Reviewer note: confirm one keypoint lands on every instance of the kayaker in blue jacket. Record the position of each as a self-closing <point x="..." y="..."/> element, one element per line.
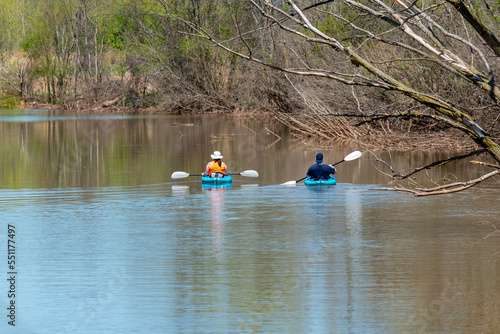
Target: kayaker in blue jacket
<point x="320" y="171"/>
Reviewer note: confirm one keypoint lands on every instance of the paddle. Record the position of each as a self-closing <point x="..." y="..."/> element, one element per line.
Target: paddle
<point x="351" y="156"/>
<point x="248" y="173"/>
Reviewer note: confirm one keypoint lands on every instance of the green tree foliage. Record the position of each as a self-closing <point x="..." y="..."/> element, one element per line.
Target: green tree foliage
<point x="11" y="24"/>
<point x="76" y="46"/>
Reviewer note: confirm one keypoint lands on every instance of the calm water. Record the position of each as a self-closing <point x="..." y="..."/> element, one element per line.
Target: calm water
<point x="106" y="242"/>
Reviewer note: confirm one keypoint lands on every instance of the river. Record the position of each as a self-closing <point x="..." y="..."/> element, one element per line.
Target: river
<point x="106" y="242"/>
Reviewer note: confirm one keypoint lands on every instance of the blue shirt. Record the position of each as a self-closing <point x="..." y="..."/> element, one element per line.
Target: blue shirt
<point x="320" y="171"/>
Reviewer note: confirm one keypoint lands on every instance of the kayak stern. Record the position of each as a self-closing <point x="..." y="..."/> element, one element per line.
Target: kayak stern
<point x="321" y="182"/>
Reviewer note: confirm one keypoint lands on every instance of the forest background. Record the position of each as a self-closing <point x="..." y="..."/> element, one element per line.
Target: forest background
<point x="125" y="53"/>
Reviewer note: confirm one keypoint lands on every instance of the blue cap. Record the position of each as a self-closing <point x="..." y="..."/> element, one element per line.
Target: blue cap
<point x="319" y="157"/>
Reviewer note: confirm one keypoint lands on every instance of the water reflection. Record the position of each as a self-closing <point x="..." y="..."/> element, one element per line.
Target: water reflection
<point x="216" y="195"/>
<point x="51" y="149"/>
<point x="353" y="222"/>
<point x="180" y="190"/>
<point x="249" y="185"/>
<point x="97" y="210"/>
<point x="216" y="188"/>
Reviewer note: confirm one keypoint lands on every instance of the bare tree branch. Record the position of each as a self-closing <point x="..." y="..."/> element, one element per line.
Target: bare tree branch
<point x="444" y="189"/>
<point x="488" y="36"/>
<point x="486" y="164"/>
<point x="443" y="162"/>
<point x="414" y="29"/>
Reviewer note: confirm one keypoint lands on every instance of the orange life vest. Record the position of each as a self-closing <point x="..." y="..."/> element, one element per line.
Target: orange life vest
<point x="216" y="168"/>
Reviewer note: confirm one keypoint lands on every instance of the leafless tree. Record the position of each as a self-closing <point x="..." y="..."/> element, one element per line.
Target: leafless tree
<point x="439" y="55"/>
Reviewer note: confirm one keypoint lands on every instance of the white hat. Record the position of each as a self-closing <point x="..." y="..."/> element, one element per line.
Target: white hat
<point x="216" y="155"/>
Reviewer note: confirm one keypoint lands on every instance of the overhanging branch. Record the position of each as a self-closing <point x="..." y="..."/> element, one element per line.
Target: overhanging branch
<point x="478" y="25"/>
<point x="445" y="189"/>
<point x="442" y="162"/>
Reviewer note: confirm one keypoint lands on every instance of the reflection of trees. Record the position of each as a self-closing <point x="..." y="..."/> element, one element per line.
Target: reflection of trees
<point x="75" y="153"/>
<point x="106" y="151"/>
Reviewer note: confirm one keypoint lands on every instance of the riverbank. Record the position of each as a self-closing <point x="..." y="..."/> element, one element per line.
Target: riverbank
<point x="117" y="106"/>
<point x="326" y="130"/>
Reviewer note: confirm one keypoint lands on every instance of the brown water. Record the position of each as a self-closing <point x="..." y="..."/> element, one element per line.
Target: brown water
<point x="108" y="242"/>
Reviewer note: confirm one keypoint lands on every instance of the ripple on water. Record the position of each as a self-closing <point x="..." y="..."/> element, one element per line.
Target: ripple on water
<point x="275" y="259"/>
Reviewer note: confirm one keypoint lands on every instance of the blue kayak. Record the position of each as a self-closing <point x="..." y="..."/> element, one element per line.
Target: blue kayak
<point x="216" y="180"/>
<point x="320" y="182"/>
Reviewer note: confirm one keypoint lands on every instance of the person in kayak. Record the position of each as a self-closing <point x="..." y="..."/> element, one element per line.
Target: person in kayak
<point x="320" y="171"/>
<point x="216" y="168"/>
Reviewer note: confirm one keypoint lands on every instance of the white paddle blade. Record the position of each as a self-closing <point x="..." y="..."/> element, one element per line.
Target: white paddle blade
<point x="353" y="156"/>
<point x="179" y="175"/>
<point x="289" y="183"/>
<point x="250" y="173"/>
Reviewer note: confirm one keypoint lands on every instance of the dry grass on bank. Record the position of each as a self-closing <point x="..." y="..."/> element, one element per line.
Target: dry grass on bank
<point x="379" y="135"/>
<point x="450" y="139"/>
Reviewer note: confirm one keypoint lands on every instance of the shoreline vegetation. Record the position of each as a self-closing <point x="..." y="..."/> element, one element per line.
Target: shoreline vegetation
<point x="325" y="129"/>
<point x="384" y="135"/>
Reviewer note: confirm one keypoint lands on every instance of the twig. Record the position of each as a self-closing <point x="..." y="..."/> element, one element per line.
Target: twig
<point x="489" y="234"/>
<point x="485" y="164"/>
<point x="246" y="127"/>
<point x="383" y="162"/>
<point x="272" y="133"/>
